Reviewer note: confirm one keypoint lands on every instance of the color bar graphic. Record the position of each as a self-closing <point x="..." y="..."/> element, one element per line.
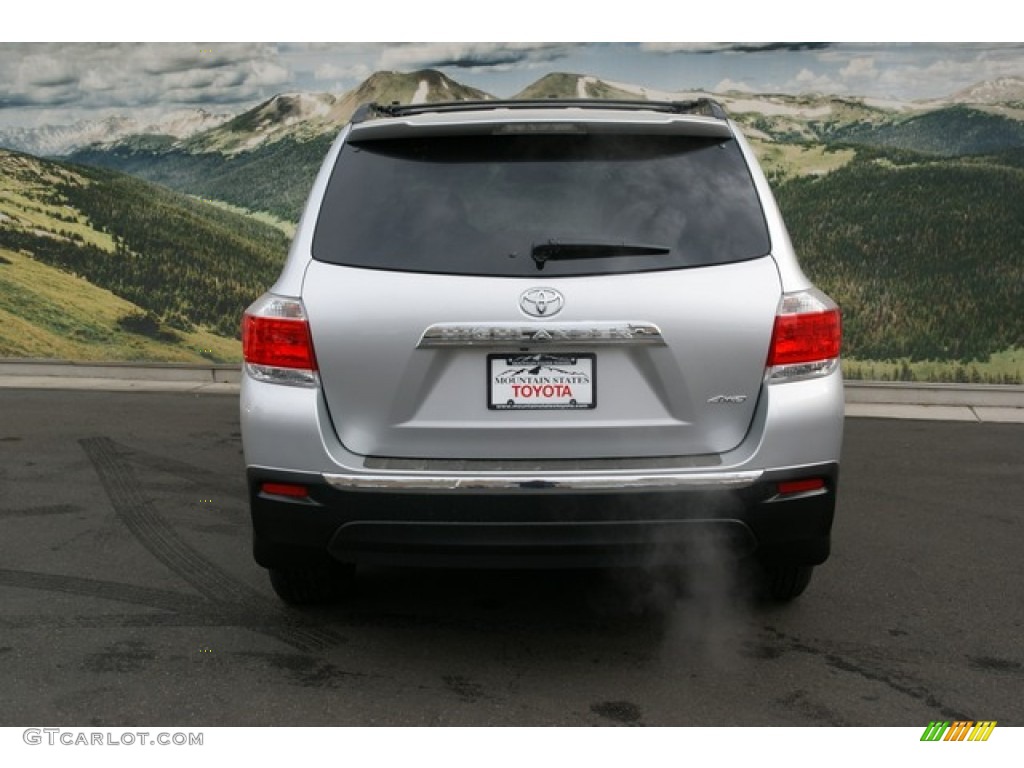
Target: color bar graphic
<point x="960" y="730"/>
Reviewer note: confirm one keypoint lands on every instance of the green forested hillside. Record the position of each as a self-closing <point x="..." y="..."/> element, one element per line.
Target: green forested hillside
<point x="1010" y="157"/>
<point x="274" y="177"/>
<point x="952" y="131"/>
<point x="186" y="265"/>
<point x="926" y="258"/>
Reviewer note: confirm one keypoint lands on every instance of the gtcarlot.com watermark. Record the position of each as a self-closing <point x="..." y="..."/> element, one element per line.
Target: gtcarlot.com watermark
<point x="71" y="738"/>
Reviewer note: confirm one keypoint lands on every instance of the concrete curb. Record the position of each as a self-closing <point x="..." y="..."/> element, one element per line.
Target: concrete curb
<point x="881" y="400"/>
<point x="937" y="402"/>
<point x="154" y="372"/>
<point x="913" y="393"/>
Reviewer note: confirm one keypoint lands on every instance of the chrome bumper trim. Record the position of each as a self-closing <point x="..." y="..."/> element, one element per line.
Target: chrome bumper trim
<point x="654" y="481"/>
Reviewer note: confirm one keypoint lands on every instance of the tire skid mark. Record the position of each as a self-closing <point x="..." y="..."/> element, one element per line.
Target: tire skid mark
<point x="108" y="590"/>
<point x="211" y="616"/>
<point x="50" y="509"/>
<point x="181" y="469"/>
<point x="162" y="541"/>
<point x="154" y="533"/>
<point x="919" y="693"/>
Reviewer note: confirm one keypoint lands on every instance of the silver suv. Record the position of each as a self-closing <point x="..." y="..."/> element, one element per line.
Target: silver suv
<point x="540" y="334"/>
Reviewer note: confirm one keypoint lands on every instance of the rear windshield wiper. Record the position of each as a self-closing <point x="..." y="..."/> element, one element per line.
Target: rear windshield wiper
<point x="554" y="250"/>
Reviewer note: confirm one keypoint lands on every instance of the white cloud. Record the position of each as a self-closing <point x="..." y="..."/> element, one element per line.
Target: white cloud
<point x="732" y="85"/>
<point x="330" y="71"/>
<point x="40" y="71"/>
<point x="470" y="55"/>
<point x="268" y="73"/>
<point x="859" y="69"/>
<point x="945" y="76"/>
<point x="806" y="81"/>
<point x="685" y="47"/>
<point x="133" y="75"/>
<point x="921" y="70"/>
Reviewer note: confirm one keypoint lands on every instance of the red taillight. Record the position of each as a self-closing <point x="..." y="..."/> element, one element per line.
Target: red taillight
<point x="805" y="338"/>
<point x="285" y="489"/>
<point x="801" y="486"/>
<point x="277" y="342"/>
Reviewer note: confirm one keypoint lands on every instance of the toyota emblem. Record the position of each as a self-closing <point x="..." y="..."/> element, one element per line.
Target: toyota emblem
<point x="541" y="302"/>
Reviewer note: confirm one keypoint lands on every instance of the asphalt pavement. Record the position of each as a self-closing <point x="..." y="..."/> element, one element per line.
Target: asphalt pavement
<point x="128" y="596"/>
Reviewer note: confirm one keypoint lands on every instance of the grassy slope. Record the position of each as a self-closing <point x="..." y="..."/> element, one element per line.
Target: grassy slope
<point x="286" y="227"/>
<point x="783" y="161"/>
<point x="49" y="314"/>
<point x="213" y="259"/>
<point x="25" y="185"/>
<point x="1005" y="367"/>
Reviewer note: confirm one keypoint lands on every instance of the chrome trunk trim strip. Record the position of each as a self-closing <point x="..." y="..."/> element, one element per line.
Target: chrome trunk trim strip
<point x="519" y="335"/>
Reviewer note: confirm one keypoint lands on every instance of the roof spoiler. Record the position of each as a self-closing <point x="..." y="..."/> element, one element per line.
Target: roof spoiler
<point x="702" y="106"/>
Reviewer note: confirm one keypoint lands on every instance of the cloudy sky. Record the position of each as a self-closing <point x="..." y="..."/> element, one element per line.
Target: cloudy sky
<point x="51" y="83"/>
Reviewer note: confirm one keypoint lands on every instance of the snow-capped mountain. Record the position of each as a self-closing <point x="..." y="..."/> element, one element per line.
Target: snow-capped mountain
<point x="800" y="107"/>
<point x="53" y="140"/>
<point x="185" y="123"/>
<point x="62" y="139"/>
<point x="998" y="91"/>
<point x="304" y="115"/>
<point x="300" y="115"/>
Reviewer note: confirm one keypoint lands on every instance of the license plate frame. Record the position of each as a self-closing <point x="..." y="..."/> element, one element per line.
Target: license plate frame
<point x="548" y="381"/>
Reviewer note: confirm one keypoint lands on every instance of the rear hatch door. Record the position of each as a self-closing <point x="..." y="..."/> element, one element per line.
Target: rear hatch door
<point x="550" y="291"/>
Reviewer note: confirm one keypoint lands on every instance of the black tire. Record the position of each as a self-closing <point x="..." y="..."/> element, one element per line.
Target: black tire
<point x="782" y="583"/>
<point x="308" y="585"/>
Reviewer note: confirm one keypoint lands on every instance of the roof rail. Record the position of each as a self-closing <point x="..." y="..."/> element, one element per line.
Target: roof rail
<point x="702" y="106"/>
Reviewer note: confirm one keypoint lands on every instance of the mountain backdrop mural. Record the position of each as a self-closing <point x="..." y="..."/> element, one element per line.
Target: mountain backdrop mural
<point x="126" y="239"/>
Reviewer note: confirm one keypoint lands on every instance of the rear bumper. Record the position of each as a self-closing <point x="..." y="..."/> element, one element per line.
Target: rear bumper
<point x="540" y="520"/>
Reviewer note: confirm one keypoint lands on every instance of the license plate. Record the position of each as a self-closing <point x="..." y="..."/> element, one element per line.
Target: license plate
<point x="559" y="381"/>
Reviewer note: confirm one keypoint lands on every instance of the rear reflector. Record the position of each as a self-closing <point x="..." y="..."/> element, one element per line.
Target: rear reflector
<point x="285" y="489"/>
<point x="801" y="486"/>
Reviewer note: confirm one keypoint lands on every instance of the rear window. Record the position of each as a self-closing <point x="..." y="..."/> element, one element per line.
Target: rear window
<point x="550" y="204"/>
